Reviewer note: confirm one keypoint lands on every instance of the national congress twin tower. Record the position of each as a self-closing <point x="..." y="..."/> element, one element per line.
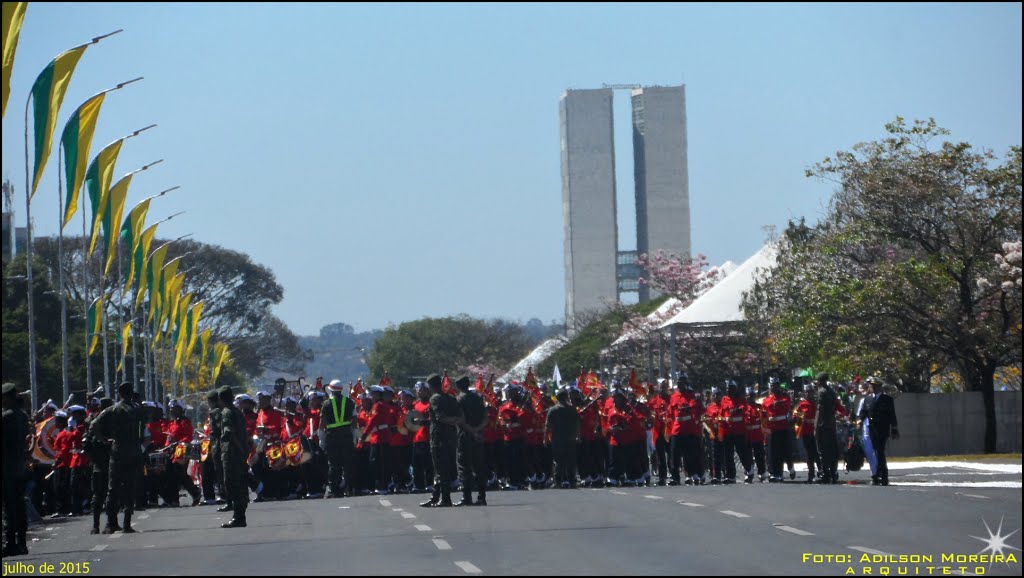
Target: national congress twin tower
<point x="596" y="272"/>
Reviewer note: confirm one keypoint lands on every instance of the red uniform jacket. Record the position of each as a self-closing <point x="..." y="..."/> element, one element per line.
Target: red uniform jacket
<point x="590" y="422"/>
<point x="272" y="420"/>
<point x="78" y="457"/>
<point x="659" y="411"/>
<point x="753" y="421"/>
<point x="684" y="410"/>
<point x="62" y="448"/>
<point x="422" y="435"/>
<point x="734" y="411"/>
<point x="777" y="409"/>
<point x="512" y="429"/>
<point x="399" y="440"/>
<point x="379" y="424"/>
<point x="180" y="430"/>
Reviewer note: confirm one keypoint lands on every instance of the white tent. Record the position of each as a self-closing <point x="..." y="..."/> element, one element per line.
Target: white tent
<point x="538" y="355"/>
<point x="723" y="302"/>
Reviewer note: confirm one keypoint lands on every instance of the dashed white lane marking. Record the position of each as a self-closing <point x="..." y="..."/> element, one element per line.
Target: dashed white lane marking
<point x="654" y="497"/>
<point x="150" y="546"/>
<point x="99" y="547"/>
<point x="143" y="516"/>
<point x="408" y="515"/>
<point x="397" y="509"/>
<point x="441" y="544"/>
<point x="869" y="550"/>
<point x="468" y="567"/>
<point x="344" y="507"/>
<point x="115" y="536"/>
<point x="691" y="504"/>
<point x="736" y="514"/>
<point x="385" y="503"/>
<point x="423" y="527"/>
<point x="979" y="496"/>
<point x="50" y="529"/>
<point x="793" y="530"/>
<point x="618" y="493"/>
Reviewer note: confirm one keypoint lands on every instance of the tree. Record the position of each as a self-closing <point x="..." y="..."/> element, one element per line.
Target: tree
<point x="897" y="274"/>
<point x="418" y="348"/>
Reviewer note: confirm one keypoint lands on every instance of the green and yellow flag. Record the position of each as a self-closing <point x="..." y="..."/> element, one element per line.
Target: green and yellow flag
<point x="77" y="142"/>
<point x="173" y="310"/>
<point x="204" y="349"/>
<point x="179" y="337"/>
<point x="220" y="355"/>
<point x="189" y="333"/>
<point x="97" y="182"/>
<point x="154" y="273"/>
<point x="112" y="217"/>
<point x="14" y="17"/>
<point x="137" y="270"/>
<point x="47" y="95"/>
<point x="94" y="323"/>
<point x="126" y="332"/>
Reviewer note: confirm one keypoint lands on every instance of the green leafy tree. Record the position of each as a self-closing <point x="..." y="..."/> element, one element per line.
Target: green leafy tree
<point x="892" y="279"/>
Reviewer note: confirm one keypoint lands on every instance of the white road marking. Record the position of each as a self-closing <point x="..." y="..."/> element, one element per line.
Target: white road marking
<point x="793" y="530"/>
<point x="869" y="550"/>
<point x="150" y="546"/>
<point x="691" y="504"/>
<point x="143" y="516"/>
<point x="423" y="527"/>
<point x="736" y="514"/>
<point x="618" y="492"/>
<point x="654" y="497"/>
<point x="408" y="515"/>
<point x="344" y="507"/>
<point x="99" y="547"/>
<point x="385" y="503"/>
<point x="115" y="536"/>
<point x="980" y="497"/>
<point x="50" y="529"/>
<point x="468" y="568"/>
<point x="441" y="544"/>
<point x="1015" y="485"/>
<point x="397" y="509"/>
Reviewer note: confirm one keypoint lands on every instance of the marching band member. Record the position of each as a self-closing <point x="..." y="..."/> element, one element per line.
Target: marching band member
<point x="685" y="411"/>
<point x="80" y="470"/>
<point x="315" y="470"/>
<point x="755" y="420"/>
<point x="733" y="411"/>
<point x="361" y="468"/>
<point x="179" y="431"/>
<point x="715" y="431"/>
<point x="514" y="437"/>
<point x="803" y="423"/>
<point x="62" y="465"/>
<point x="401" y="444"/>
<point x="377" y="434"/>
<point x="777" y="408"/>
<point x="659" y="405"/>
<point x="422" y="466"/>
<point x="592" y="450"/>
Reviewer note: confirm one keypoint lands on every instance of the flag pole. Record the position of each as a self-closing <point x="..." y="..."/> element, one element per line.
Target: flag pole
<point x="60" y="280"/>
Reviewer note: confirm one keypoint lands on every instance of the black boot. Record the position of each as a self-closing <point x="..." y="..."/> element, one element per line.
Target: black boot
<point x="481" y="500"/>
<point x="435" y="498"/>
<point x="236" y="522"/>
<point x="128" y="524"/>
<point x="467" y="500"/>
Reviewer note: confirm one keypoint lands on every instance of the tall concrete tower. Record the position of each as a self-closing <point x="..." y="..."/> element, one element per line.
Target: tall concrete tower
<point x="588" y="201"/>
<point x="660" y="171"/>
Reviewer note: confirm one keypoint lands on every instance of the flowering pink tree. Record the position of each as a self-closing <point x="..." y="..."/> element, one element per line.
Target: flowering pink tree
<point x="684" y="278"/>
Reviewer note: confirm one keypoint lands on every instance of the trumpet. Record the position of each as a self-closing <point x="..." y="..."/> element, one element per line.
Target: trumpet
<point x="798" y="421"/>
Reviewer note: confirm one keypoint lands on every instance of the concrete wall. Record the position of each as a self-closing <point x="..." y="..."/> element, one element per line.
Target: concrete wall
<point x="588" y="200"/>
<point x="954" y="423"/>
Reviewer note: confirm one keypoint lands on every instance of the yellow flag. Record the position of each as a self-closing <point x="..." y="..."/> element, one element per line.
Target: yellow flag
<point x="111" y="222"/>
<point x="125" y="334"/>
<point x="14" y="17"/>
<point x="204" y="348"/>
<point x="220" y="356"/>
<point x="47" y="95"/>
<point x="139" y="264"/>
<point x="154" y="279"/>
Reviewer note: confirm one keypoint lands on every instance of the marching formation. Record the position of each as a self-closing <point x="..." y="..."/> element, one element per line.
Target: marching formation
<point x="438" y="437"/>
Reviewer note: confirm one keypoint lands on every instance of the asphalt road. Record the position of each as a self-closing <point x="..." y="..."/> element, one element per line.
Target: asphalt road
<point x="714" y="530"/>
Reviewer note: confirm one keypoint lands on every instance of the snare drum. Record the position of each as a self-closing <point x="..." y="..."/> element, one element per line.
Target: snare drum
<point x="156" y="463"/>
<point x="276" y="458"/>
<point x="195" y="451"/>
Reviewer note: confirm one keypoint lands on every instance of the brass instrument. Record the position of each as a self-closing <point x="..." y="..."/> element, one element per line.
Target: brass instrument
<point x="798" y="421"/>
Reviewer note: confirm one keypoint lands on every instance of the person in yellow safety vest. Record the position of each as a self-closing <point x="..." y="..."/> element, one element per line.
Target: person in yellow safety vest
<point x="336" y="436"/>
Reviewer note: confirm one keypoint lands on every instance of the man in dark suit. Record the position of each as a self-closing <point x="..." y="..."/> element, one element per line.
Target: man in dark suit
<point x="880" y="410"/>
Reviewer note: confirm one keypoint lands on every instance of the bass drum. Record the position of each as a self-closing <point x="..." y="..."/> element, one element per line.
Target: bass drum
<point x="413" y="421"/>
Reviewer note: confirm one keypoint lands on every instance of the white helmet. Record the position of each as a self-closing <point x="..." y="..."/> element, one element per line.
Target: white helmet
<point x="337" y="385"/>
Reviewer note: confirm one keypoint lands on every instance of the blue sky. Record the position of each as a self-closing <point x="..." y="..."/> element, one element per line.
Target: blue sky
<point x="391" y="162"/>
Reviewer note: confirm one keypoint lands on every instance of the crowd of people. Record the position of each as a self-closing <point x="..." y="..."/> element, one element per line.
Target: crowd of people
<point x="436" y="437"/>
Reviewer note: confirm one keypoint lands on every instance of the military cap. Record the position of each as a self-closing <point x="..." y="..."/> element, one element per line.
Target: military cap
<point x="462" y="382"/>
<point x="434" y="380"/>
<point x="9" y="388"/>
